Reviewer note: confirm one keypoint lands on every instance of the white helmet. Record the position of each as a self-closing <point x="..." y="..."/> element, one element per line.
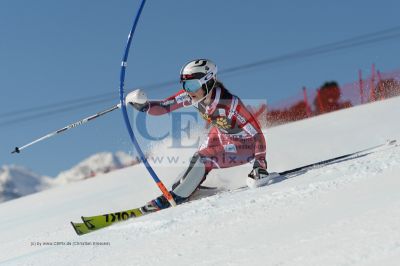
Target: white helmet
<point x="197" y="73"/>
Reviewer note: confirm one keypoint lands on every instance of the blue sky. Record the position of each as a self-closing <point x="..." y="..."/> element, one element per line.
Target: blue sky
<point x="55" y="51"/>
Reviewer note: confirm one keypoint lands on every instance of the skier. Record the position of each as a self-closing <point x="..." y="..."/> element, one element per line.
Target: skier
<point x="235" y="136"/>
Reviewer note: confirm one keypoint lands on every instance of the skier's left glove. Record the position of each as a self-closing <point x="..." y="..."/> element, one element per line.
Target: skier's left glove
<point x="138" y="99"/>
<point x="259" y="169"/>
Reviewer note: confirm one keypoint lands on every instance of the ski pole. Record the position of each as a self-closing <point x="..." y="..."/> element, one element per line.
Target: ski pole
<point x="61" y="130"/>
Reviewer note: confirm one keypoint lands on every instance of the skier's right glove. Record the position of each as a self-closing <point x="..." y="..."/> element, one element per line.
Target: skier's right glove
<point x="138" y="99"/>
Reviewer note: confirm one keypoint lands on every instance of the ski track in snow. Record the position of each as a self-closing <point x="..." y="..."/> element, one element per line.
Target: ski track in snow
<point x="346" y="213"/>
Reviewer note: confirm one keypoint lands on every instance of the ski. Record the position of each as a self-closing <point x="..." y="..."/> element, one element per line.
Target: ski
<point x="93" y="223"/>
<point x="364" y="152"/>
<point x="80" y="228"/>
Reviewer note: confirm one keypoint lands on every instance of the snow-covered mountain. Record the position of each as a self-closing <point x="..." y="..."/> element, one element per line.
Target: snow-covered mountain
<point x="17" y="181"/>
<point x="98" y="163"/>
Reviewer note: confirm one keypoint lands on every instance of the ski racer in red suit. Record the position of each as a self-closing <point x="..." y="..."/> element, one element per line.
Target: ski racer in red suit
<point x="235" y="136"/>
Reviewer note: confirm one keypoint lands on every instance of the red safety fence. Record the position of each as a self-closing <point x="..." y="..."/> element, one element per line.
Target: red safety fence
<point x="332" y="97"/>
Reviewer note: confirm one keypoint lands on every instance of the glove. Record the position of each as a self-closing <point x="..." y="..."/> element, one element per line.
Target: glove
<point x="138" y="99"/>
<point x="259" y="169"/>
<point x="258" y="173"/>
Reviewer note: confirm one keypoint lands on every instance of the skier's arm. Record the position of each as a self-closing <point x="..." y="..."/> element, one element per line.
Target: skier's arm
<point x="169" y="104"/>
<point x="250" y="124"/>
<point x="260" y="149"/>
<point x="138" y="99"/>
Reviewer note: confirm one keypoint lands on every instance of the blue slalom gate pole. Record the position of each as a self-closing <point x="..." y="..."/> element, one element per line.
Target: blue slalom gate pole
<point x="161" y="186"/>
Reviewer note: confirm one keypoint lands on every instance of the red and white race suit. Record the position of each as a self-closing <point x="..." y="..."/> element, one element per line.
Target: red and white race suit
<point x="235" y="136"/>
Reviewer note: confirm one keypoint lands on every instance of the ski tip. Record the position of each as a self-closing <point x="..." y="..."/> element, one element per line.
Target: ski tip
<point x="76" y="230"/>
<point x="391" y="142"/>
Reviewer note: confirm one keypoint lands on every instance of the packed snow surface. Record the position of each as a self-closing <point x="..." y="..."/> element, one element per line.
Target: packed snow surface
<point x="342" y="214"/>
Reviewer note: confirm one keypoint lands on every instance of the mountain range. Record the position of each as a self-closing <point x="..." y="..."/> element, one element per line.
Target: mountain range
<point x="17" y="181"/>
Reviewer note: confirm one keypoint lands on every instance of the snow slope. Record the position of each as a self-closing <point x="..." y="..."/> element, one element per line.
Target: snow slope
<point x="342" y="214"/>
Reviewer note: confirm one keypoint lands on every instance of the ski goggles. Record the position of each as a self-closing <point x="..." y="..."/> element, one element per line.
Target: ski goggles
<point x="193" y="84"/>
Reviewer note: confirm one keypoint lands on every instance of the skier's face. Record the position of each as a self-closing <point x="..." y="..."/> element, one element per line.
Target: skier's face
<point x="196" y="95"/>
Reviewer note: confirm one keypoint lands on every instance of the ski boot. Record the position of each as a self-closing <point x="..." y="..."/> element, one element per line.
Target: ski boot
<point x="160" y="203"/>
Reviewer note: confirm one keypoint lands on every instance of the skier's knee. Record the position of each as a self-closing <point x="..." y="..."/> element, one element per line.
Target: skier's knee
<point x="192" y="178"/>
